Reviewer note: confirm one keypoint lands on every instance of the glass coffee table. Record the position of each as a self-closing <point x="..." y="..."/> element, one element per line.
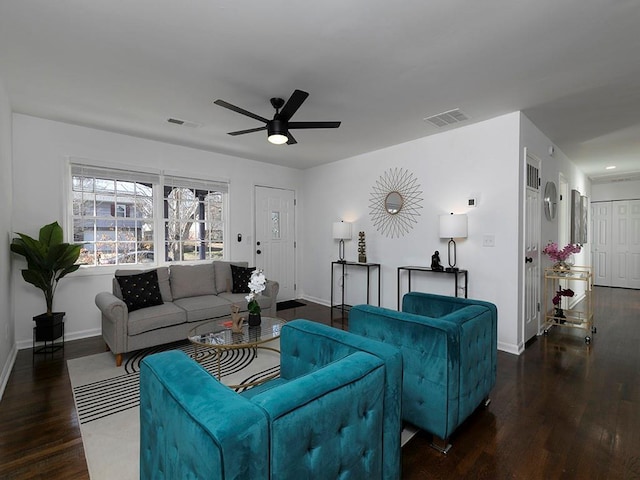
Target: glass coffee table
<point x="216" y="336"/>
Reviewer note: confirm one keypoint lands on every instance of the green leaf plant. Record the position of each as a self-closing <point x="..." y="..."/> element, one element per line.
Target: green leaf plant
<point x="48" y="259"/>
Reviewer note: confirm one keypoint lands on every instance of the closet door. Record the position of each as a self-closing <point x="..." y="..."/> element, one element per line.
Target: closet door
<point x="625" y="270"/>
<point x="601" y="242"/>
<point x="634" y="244"/>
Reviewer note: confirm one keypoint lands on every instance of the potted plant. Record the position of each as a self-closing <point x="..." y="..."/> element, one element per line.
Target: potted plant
<point x="257" y="284"/>
<point x="48" y="260"/>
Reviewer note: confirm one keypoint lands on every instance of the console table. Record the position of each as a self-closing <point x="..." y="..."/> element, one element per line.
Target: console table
<point x="344" y="265"/>
<point x="456" y="275"/>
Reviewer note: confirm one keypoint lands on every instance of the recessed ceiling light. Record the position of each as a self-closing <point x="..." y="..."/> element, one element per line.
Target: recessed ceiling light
<point x="610" y="167"/>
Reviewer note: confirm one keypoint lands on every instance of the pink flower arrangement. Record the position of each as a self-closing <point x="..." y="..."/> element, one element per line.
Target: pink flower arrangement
<point x="562" y="292"/>
<point x="561" y="255"/>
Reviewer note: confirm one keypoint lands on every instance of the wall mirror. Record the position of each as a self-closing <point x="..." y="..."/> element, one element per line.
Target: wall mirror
<point x="550" y="200"/>
<point x="393" y="203"/>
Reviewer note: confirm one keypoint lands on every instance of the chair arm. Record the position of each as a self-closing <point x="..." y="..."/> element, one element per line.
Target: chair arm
<point x="432" y="305"/>
<point x="192" y="426"/>
<point x="348" y="397"/>
<point x="307" y="346"/>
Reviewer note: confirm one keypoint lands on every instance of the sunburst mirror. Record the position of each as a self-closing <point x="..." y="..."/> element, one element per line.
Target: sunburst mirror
<point x="395" y="201"/>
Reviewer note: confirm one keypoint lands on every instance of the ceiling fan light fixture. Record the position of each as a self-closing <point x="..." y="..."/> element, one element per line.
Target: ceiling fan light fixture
<point x="277" y="132"/>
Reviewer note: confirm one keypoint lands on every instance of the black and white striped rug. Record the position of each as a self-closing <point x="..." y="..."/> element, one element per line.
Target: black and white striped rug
<point x="115" y="393"/>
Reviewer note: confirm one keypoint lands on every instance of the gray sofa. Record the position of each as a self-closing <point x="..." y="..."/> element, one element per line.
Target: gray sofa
<point x="191" y="294"/>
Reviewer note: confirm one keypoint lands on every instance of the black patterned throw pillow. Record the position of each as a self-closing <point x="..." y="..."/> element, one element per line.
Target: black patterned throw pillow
<point x="140" y="290"/>
<point x="241" y="277"/>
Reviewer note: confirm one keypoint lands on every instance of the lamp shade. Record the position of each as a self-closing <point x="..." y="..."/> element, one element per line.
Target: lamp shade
<point x="342" y="231"/>
<point x="453" y="226"/>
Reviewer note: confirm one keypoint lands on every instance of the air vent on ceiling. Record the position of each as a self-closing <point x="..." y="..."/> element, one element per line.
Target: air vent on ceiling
<point x="183" y="123"/>
<point x="447" y="118"/>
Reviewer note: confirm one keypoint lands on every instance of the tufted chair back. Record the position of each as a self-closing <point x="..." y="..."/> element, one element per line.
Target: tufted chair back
<point x="329" y="419"/>
<point x="449" y="349"/>
<point x="307" y="346"/>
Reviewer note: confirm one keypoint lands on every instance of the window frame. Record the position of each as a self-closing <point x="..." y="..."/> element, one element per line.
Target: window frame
<point x="160" y="180"/>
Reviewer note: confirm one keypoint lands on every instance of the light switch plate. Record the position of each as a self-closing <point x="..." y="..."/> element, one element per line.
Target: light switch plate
<point x="489" y="241"/>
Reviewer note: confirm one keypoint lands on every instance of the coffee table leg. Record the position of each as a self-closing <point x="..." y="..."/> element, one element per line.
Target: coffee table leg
<point x="218" y="362"/>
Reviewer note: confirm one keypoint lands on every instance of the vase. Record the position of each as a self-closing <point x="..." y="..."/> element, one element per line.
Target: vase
<point x="254" y="319"/>
<point x="562" y="266"/>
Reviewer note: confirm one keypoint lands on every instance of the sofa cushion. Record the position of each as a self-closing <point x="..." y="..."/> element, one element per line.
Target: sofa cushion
<point x="241" y="277"/>
<point x="153" y="318"/>
<point x="204" y="306"/>
<point x="140" y="290"/>
<point x="224" y="280"/>
<point x="163" y="282"/>
<point x="192" y="280"/>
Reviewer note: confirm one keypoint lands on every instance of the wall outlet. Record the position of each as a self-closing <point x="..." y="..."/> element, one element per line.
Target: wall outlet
<point x="489" y="241"/>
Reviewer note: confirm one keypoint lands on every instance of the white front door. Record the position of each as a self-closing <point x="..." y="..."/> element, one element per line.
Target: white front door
<point x="275" y="237"/>
<point x="532" y="276"/>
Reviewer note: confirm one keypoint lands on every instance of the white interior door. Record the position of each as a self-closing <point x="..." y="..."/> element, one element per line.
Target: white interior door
<point x="275" y="237"/>
<point x="532" y="277"/>
<point x="625" y="269"/>
<point x="601" y="243"/>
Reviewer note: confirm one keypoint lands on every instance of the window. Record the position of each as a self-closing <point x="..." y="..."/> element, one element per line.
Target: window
<point x="114" y="216"/>
<point x="193" y="219"/>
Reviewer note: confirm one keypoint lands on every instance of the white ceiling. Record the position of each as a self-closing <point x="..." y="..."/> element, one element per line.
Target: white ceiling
<point x="380" y="67"/>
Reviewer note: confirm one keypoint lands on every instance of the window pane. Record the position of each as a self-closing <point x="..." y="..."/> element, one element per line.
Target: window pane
<point x="105" y="212"/>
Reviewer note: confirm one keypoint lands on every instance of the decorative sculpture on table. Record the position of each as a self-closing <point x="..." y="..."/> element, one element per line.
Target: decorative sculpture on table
<point x="362" y="254"/>
<point x="435" y="262"/>
<point x="236" y="320"/>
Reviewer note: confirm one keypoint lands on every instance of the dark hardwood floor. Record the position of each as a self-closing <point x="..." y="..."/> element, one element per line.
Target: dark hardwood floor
<point x="561" y="410"/>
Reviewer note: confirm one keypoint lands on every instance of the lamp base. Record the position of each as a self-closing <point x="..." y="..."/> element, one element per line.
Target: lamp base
<point x="451" y="269"/>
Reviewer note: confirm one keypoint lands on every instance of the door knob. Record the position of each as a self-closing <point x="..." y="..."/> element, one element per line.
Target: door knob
<point x="258" y="252"/>
<point x="528" y="260"/>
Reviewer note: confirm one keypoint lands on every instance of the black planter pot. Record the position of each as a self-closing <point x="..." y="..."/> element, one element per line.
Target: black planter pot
<point x="49" y="327"/>
<point x="254" y="319"/>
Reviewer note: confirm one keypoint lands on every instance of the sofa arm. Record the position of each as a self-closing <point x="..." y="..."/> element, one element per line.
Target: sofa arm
<point x="271" y="290"/>
<point x="115" y="316"/>
<point x="348" y="395"/>
<point x="192" y="426"/>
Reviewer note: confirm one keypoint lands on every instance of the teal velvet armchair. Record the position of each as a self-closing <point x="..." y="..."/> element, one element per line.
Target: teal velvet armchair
<point x="449" y="349"/>
<point x="333" y="413"/>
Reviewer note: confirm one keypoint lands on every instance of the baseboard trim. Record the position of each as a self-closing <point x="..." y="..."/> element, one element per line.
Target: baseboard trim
<point x="510" y="348"/>
<point x="94" y="332"/>
<point x="6" y="369"/>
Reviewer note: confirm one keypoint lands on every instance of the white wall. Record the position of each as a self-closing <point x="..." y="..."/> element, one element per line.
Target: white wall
<point x="552" y="166"/>
<point x="620" y="190"/>
<point x="7" y="343"/>
<point x="40" y="150"/>
<point x="480" y="161"/>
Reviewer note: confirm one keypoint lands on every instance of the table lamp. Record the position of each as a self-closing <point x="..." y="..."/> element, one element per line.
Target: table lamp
<point x="342" y="232"/>
<point x="452" y="226"/>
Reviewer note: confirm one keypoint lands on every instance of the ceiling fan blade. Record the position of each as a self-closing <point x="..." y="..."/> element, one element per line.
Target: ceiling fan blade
<point x="242" y="111"/>
<point x="291" y="141"/>
<point x="251" y="130"/>
<point x="314" y="124"/>
<point x="293" y="104"/>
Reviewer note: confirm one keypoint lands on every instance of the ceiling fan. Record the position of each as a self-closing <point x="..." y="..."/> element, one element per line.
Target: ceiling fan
<point x="278" y="128"/>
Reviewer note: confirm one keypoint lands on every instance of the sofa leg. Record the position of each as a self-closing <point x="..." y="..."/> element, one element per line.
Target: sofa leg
<point x="440" y="444"/>
<point x="118" y="359"/>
